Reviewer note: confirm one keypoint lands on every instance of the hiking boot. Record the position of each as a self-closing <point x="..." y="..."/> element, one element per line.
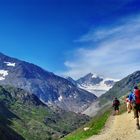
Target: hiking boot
<point x="138" y="126"/>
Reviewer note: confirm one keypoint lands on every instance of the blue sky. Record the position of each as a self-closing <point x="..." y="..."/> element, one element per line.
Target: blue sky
<point x="73" y="37"/>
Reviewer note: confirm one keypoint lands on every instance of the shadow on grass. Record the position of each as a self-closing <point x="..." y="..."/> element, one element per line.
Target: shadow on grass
<point x="6" y="133"/>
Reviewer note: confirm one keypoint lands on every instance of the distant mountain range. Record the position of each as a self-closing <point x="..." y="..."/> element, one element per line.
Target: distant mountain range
<point x="50" y="89"/>
<point x="94" y="84"/>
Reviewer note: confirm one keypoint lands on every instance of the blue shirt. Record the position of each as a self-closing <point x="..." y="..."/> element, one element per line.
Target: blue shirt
<point x="132" y="97"/>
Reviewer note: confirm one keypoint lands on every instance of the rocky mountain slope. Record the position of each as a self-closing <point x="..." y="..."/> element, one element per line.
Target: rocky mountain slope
<point x="24" y="116"/>
<point x="48" y="87"/>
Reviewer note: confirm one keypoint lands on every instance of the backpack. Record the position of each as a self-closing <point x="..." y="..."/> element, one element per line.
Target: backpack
<point x="137" y="96"/>
<point x="116" y="102"/>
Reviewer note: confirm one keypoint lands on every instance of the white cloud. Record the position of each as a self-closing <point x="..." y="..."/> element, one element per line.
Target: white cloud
<point x="115" y="54"/>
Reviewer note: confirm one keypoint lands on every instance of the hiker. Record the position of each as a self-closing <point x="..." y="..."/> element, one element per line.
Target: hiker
<point x="134" y="98"/>
<point x="128" y="104"/>
<point x="115" y="105"/>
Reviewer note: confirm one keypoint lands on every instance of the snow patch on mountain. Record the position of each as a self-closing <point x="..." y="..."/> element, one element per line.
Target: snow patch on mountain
<point x="3" y="74"/>
<point x="10" y="64"/>
<point x="75" y="96"/>
<point x="94" y="76"/>
<point x="60" y="98"/>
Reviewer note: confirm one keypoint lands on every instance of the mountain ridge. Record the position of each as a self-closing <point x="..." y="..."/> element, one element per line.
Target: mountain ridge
<point x="48" y="87"/>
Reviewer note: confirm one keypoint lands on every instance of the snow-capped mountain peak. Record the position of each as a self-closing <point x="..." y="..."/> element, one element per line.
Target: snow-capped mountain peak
<point x="96" y="84"/>
<point x="93" y="83"/>
<point x="89" y="79"/>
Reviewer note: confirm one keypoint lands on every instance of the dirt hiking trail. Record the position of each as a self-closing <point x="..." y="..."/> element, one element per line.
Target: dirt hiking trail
<point x="121" y="127"/>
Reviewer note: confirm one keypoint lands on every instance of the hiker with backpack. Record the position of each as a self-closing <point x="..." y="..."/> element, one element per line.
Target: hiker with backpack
<point x="134" y="98"/>
<point x="115" y="105"/>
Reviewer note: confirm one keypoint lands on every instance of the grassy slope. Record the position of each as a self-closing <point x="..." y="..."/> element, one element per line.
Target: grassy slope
<point x="30" y="123"/>
<point x="6" y="133"/>
<point x="95" y="126"/>
<point x="26" y="120"/>
<point x="36" y="122"/>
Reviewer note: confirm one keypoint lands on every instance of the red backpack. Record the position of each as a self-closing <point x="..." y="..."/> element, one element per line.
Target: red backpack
<point x="137" y="96"/>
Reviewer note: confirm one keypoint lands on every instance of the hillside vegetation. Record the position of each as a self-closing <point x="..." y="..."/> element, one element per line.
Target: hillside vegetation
<point x="23" y="116"/>
<point x="93" y="127"/>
